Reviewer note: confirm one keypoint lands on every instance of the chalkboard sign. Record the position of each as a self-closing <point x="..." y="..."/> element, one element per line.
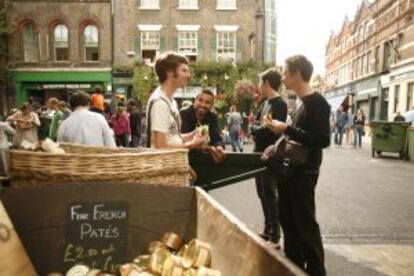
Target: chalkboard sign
<point x="96" y="235"/>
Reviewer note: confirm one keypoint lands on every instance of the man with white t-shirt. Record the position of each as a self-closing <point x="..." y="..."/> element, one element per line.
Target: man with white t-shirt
<point x="163" y="121"/>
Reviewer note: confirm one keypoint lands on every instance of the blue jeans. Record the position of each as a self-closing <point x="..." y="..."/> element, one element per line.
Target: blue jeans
<point x="358" y="130"/>
<point x="338" y="135"/>
<point x="235" y="141"/>
<point x="134" y="141"/>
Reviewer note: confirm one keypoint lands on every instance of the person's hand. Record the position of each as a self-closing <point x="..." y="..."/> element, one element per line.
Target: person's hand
<point x="217" y="153"/>
<point x="275" y="125"/>
<point x="198" y="141"/>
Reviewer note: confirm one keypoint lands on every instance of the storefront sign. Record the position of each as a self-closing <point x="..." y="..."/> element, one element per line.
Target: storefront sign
<point x="66" y="86"/>
<point x="96" y="235"/>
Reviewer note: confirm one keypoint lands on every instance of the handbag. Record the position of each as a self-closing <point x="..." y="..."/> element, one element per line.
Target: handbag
<point x="284" y="156"/>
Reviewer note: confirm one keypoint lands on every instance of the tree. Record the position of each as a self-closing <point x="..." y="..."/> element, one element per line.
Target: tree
<point x="4" y="31"/>
<point x="144" y="82"/>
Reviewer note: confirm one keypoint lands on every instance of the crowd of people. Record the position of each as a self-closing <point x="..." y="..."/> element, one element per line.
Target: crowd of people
<point x="287" y="194"/>
<point x="352" y="126"/>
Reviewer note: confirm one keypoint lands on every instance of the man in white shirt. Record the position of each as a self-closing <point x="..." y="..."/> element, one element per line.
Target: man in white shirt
<point x="83" y="126"/>
<point x="164" y="122"/>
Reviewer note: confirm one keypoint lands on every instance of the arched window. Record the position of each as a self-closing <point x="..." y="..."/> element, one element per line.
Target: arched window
<point x="61" y="42"/>
<point x="30" y="43"/>
<point x="91" y="43"/>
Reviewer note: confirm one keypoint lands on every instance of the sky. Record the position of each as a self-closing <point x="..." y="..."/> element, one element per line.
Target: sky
<point x="304" y="27"/>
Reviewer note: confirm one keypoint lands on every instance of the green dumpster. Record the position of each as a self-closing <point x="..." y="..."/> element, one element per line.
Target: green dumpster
<point x="389" y="137"/>
<point x="410" y="138"/>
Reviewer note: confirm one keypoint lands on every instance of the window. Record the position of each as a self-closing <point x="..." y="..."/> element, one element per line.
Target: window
<point x="387" y="56"/>
<point x="364" y="65"/>
<point x="396" y="97"/>
<point x="150" y="45"/>
<point x="377" y="59"/>
<point x="61" y="43"/>
<point x="188" y="4"/>
<point x="226" y="4"/>
<point x="226" y="46"/>
<point x="410" y="96"/>
<point x="150" y="4"/>
<point x="30" y="43"/>
<point x="187" y="44"/>
<point x="91" y="43"/>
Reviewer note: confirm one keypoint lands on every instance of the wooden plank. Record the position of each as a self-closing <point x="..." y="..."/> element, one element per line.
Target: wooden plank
<point x="13" y="257"/>
<point x="235" y="249"/>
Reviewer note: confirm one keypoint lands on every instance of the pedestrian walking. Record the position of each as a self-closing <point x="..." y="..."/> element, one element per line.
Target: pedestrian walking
<point x="341" y="121"/>
<point x="84" y="126"/>
<point x="57" y="118"/>
<point x="97" y="101"/>
<point x="297" y="179"/>
<point x="266" y="185"/>
<point x="235" y="122"/>
<point x="359" y="125"/>
<point x="5" y="131"/>
<point x="26" y="123"/>
<point x="399" y="118"/>
<point x="120" y="125"/>
<point x="134" y="122"/>
<point x="349" y="128"/>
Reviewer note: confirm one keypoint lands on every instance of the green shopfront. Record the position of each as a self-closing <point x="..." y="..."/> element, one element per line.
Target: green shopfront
<point x="39" y="86"/>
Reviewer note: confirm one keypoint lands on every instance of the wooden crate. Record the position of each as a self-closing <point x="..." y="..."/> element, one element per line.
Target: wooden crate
<point x="13" y="257"/>
<point x="43" y="217"/>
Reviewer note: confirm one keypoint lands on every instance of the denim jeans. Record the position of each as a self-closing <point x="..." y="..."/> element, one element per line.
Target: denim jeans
<point x="235" y="141"/>
<point x="339" y="135"/>
<point x="358" y="136"/>
<point x="134" y="141"/>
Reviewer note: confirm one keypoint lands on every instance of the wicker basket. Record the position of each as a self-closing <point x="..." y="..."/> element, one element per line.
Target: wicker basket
<point x="99" y="164"/>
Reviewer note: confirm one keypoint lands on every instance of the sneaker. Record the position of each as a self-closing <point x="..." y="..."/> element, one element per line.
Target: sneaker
<point x="275" y="245"/>
<point x="264" y="236"/>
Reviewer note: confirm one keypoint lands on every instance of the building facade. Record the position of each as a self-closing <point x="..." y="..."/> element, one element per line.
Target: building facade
<point x="370" y="62"/>
<point x="57" y="47"/>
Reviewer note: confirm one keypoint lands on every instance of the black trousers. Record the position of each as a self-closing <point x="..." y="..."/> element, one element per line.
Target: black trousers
<point x="266" y="187"/>
<point x="302" y="237"/>
<point x="121" y="140"/>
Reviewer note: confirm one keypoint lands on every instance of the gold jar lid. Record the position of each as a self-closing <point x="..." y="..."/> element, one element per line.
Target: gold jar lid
<point x="158" y="259"/>
<point x="198" y="254"/>
<point x="172" y="241"/>
<point x="94" y="272"/>
<point x="190" y="272"/>
<point x="155" y="245"/>
<point x="174" y="266"/>
<point x="183" y="251"/>
<point x="129" y="270"/>
<point x="204" y="271"/>
<point x="142" y="261"/>
<point x="78" y="270"/>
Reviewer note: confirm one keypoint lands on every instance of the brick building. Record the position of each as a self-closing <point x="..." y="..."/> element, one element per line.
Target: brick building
<point x="213" y="30"/>
<point x="370" y="61"/>
<point x="59" y="46"/>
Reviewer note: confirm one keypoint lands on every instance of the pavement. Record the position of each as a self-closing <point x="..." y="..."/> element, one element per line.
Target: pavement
<point x="365" y="208"/>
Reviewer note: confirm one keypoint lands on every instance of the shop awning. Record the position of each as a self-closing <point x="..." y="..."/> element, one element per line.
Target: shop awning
<point x="335" y="102"/>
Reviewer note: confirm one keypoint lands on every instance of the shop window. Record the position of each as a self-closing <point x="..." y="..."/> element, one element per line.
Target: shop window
<point x="30" y="43"/>
<point x="61" y="43"/>
<point x="387" y="56"/>
<point x="91" y="43"/>
<point x="226" y="46"/>
<point x="188" y="44"/>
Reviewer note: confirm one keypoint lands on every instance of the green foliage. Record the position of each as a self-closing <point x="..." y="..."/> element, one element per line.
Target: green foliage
<point x="144" y="82"/>
<point x="4" y="31"/>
